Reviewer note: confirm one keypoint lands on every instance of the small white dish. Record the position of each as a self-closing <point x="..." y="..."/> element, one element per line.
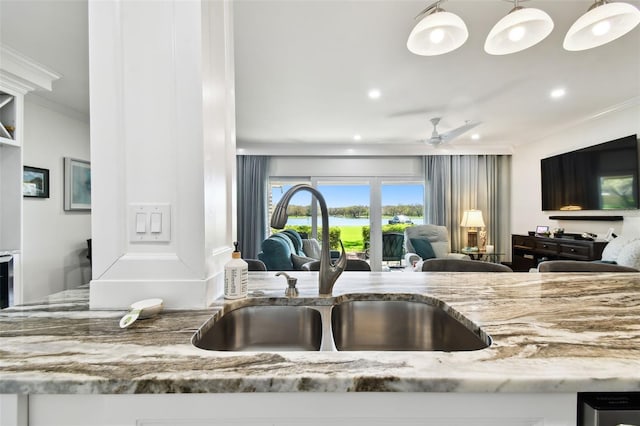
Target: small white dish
<point x="141" y="310"/>
<point x="148" y="307"/>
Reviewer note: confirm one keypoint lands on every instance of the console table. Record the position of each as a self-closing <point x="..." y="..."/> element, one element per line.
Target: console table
<point x="527" y="251"/>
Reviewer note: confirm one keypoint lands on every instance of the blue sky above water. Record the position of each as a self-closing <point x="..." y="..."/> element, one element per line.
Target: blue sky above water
<point x="356" y="195"/>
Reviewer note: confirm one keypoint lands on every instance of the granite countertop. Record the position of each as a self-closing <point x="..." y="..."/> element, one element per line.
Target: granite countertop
<point x="551" y="333"/>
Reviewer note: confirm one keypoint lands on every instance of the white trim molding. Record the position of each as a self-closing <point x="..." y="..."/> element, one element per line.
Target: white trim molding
<point x="24" y="74"/>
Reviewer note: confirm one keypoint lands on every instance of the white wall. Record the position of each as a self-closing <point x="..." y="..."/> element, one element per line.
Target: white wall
<point x="54" y="241"/>
<point x="526" y="199"/>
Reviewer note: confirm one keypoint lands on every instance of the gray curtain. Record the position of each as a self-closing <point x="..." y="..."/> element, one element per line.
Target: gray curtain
<point x="253" y="188"/>
<point x="455" y="183"/>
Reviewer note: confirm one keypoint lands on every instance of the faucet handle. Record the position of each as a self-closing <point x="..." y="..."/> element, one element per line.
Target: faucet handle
<point x="341" y="263"/>
<point x="291" y="291"/>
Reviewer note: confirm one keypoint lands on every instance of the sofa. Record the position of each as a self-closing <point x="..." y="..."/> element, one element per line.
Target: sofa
<point x="624" y="251"/>
<point x="423" y="242"/>
<point x="622" y="254"/>
<point x="288" y="251"/>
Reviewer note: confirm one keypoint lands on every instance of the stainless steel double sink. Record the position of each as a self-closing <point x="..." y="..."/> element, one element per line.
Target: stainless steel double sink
<point x="355" y="322"/>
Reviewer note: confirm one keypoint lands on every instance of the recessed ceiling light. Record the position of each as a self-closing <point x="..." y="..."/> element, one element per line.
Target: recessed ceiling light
<point x="558" y="93"/>
<point x="475" y="136"/>
<point x="374" y="93"/>
<point x="357" y="137"/>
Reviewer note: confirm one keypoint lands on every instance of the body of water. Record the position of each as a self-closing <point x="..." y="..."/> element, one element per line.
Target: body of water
<point x="345" y="221"/>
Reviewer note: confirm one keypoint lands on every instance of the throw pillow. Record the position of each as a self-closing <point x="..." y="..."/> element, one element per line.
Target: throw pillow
<point x="423" y="248"/>
<point x="295" y="239"/>
<point x="612" y="249"/>
<point x="298" y="261"/>
<point x="630" y="255"/>
<point x="276" y="254"/>
<point x="311" y="248"/>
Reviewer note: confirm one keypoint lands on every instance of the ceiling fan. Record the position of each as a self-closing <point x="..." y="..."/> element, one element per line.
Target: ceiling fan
<point x="439" y="138"/>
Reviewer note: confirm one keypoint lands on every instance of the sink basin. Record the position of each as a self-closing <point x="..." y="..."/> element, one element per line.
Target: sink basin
<point x="264" y="328"/>
<point x="356" y="322"/>
<point x="400" y="325"/>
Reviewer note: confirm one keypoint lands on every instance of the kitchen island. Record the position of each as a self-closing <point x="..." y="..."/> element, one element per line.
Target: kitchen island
<point x="553" y="335"/>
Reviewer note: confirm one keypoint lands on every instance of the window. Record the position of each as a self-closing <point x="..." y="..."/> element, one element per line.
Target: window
<point x="299" y="209"/>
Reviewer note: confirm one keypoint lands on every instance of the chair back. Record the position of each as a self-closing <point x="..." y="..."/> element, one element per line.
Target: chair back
<point x="581" y="266"/>
<point x="256" y="265"/>
<point x="352" y="265"/>
<point x="460" y="265"/>
<point x="392" y="246"/>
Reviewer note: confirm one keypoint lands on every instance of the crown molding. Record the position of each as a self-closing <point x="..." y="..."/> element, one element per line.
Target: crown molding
<point x="22" y="73"/>
<point x="629" y="103"/>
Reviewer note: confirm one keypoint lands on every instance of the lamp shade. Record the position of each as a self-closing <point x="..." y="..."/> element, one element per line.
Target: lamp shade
<point x="519" y="30"/>
<point x="437" y="33"/>
<point x="472" y="219"/>
<point x="604" y="22"/>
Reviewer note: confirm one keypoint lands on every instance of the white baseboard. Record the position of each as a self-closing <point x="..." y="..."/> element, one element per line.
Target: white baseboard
<point x="176" y="294"/>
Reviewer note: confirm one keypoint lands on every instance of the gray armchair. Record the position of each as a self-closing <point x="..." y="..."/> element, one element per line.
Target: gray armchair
<point x="438" y="237"/>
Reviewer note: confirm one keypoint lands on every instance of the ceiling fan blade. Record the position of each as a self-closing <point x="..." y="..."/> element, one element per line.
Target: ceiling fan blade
<point x="452" y="134"/>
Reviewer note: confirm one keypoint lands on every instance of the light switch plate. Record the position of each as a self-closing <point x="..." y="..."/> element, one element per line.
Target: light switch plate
<point x="157" y="222"/>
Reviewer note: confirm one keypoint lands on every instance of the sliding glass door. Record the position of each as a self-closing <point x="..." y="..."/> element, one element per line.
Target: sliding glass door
<point x="348" y="205"/>
<point x="368" y="214"/>
<point x="402" y="205"/>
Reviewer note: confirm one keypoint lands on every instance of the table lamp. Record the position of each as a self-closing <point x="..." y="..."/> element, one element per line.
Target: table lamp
<point x="472" y="219"/>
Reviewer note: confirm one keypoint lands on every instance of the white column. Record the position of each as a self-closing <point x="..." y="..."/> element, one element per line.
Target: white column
<point x="162" y="140"/>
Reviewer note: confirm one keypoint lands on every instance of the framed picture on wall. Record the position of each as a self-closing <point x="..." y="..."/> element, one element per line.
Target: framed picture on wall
<point x="77" y="184"/>
<point x="35" y="182"/>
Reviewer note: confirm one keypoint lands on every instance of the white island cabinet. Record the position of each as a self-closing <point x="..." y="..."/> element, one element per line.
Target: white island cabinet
<point x="305" y="409"/>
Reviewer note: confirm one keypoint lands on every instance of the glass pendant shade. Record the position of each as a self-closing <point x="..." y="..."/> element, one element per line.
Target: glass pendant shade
<point x="519" y="30"/>
<point x="437" y="33"/>
<point x="603" y="23"/>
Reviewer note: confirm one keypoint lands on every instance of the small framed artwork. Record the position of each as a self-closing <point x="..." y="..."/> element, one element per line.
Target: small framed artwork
<point x="35" y="182"/>
<point x="77" y="184"/>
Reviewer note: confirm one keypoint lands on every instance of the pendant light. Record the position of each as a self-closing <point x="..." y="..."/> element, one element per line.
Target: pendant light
<point x="437" y="33"/>
<point x="603" y="22"/>
<point x="519" y="30"/>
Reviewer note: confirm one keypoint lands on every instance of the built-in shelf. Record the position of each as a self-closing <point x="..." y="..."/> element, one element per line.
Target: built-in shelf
<point x="590" y="218"/>
<point x="7" y="116"/>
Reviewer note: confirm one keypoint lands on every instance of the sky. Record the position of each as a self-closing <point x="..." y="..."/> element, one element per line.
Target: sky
<point x="356" y="195"/>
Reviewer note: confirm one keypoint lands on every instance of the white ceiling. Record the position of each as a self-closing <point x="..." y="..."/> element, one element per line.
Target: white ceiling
<point x="55" y="34"/>
<point x="303" y="70"/>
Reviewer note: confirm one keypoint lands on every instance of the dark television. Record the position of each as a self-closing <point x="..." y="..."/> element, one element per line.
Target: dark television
<point x="600" y="177"/>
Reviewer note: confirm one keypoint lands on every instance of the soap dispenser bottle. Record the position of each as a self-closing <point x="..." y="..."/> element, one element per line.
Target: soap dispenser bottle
<point x="236" y="276"/>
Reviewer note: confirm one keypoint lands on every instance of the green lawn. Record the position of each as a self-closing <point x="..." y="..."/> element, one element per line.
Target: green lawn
<point x="353" y="241"/>
<point x="351" y="237"/>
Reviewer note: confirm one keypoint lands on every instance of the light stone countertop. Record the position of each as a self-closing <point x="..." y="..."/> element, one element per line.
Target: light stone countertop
<point x="551" y="333"/>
